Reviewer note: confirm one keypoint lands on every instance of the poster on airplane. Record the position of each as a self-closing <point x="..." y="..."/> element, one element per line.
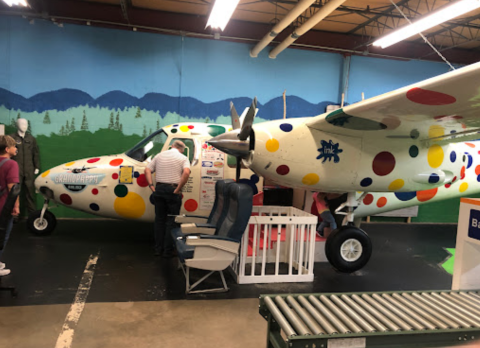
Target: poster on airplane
<point x="213" y="162"/>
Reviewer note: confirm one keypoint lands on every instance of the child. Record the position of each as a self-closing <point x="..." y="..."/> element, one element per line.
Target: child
<point x="328" y="224"/>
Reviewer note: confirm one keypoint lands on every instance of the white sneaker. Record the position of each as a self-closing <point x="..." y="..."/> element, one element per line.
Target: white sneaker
<point x="2" y="265"/>
<point x="4" y="272"/>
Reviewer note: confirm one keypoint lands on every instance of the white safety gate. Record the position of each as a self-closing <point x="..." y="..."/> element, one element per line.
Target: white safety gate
<point x="277" y="246"/>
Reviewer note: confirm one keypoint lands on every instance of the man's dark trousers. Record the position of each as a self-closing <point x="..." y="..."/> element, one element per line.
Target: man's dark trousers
<point x="166" y="203"/>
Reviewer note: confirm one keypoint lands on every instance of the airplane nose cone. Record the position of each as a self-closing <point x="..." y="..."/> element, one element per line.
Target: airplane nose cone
<point x="44" y="185"/>
<point x="230" y="144"/>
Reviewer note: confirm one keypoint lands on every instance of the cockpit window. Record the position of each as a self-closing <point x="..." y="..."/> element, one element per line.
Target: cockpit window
<point x="148" y="147"/>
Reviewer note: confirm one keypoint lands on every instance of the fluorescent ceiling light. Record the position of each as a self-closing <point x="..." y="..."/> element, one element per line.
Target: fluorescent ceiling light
<point x="457" y="9"/>
<point x="221" y="13"/>
<point x="16" y="2"/>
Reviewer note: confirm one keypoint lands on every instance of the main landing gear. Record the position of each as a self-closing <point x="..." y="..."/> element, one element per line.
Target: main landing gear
<point x="348" y="248"/>
<point x="42" y="222"/>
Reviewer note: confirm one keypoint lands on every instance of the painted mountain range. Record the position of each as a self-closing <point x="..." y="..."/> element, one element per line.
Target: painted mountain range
<point x="65" y="99"/>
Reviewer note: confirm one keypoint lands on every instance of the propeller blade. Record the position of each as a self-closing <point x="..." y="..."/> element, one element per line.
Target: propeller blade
<point x="247" y="123"/>
<point x="235" y="118"/>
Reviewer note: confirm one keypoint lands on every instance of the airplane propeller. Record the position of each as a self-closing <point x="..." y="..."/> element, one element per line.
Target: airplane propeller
<point x="235" y="142"/>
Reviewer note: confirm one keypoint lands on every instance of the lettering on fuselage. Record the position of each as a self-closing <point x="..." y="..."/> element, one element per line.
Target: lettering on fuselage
<point x="76" y="182"/>
<point x="329" y="150"/>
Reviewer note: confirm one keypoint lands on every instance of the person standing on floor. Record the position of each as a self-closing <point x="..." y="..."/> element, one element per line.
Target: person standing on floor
<point x="28" y="160"/>
<point x="8" y="178"/>
<point x="328" y="223"/>
<point x="172" y="169"/>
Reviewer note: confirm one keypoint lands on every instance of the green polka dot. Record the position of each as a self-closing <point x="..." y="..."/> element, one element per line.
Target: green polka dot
<point x="174" y="130"/>
<point x="413" y="151"/>
<point x="121" y="191"/>
<point x="215" y="130"/>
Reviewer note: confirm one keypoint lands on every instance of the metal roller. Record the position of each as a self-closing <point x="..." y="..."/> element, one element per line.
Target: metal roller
<point x="451" y="304"/>
<point x="387" y="322"/>
<point x="349" y="322"/>
<point x="313" y="326"/>
<point x="377" y="324"/>
<point x="326" y="326"/>
<point x="437" y="323"/>
<point x="325" y="311"/>
<point x="299" y="326"/>
<point x="470" y="297"/>
<point x="475" y="295"/>
<point x="354" y="315"/>
<point x="432" y="310"/>
<point x="459" y="311"/>
<point x="281" y="320"/>
<point x="387" y="313"/>
<point x="437" y="308"/>
<point x="399" y="304"/>
<point x="468" y="303"/>
<point x="461" y="316"/>
<point x="399" y="311"/>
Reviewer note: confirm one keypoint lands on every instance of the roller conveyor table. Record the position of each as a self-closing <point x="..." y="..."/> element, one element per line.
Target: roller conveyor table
<point x="359" y="320"/>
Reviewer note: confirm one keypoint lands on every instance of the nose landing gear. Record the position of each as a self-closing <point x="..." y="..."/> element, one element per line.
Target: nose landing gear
<point x="348" y="248"/>
<point x="42" y="222"/>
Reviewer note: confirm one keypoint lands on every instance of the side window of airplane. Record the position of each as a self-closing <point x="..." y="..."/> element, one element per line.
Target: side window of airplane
<point x="148" y="147"/>
<point x="189" y="148"/>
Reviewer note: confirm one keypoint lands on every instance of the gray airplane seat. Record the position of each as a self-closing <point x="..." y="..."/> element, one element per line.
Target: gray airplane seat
<point x="195" y="223"/>
<point x="216" y="252"/>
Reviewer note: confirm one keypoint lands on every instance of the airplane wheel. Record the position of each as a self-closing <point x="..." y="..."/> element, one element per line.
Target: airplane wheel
<point x="348" y="249"/>
<point x="41" y="227"/>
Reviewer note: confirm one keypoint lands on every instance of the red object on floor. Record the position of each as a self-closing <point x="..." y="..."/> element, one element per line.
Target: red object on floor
<point x="258" y="199"/>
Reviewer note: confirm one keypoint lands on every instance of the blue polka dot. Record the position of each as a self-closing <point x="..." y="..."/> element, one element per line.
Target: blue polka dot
<point x="453" y="132"/>
<point x="286" y="127"/>
<point x="453" y="156"/>
<point x="366" y="182"/>
<point x="470" y="160"/>
<point x="175" y="125"/>
<point x="405" y="196"/>
<point x="136" y="174"/>
<point x="434" y="178"/>
<point x="478" y="178"/>
<point x="94" y="207"/>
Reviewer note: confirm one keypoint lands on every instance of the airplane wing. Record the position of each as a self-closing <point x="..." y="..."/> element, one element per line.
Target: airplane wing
<point x="445" y="108"/>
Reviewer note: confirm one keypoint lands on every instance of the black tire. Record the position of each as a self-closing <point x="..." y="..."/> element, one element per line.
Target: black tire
<point x="35" y="225"/>
<point x="336" y="240"/>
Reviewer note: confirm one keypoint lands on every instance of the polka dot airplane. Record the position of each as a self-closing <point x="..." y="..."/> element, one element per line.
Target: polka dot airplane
<point x="115" y="186"/>
<point x="408" y="147"/>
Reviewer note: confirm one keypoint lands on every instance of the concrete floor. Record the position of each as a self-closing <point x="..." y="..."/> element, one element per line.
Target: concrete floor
<point x="165" y="324"/>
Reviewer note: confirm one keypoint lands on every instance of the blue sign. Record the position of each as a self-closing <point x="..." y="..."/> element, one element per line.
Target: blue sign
<point x="329" y="150"/>
<point x="474" y="224"/>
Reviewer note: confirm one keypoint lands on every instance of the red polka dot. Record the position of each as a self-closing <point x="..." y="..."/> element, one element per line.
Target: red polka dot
<point x="368" y="199"/>
<point x="115" y="176"/>
<point x="142" y="181"/>
<point x="191" y="205"/>
<point x="470" y="144"/>
<point x="454" y="179"/>
<point x="191" y="127"/>
<point x="462" y="173"/>
<point x="93" y="160"/>
<point x="426" y="195"/>
<point x="116" y="162"/>
<point x="381" y="202"/>
<point x="448" y="185"/>
<point x="425" y="97"/>
<point x="383" y="163"/>
<point x="448" y="117"/>
<point x="283" y="170"/>
<point x="95" y="191"/>
<point x="66" y="199"/>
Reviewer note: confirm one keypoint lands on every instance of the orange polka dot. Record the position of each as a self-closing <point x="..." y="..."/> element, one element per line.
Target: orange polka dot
<point x="477" y="170"/>
<point x="470" y="144"/>
<point x="381" y="202"/>
<point x="426" y="195"/>
<point x="116" y="162"/>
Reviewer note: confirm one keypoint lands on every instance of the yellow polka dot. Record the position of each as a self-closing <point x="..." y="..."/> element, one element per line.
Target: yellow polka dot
<point x="396" y="185"/>
<point x="69" y="164"/>
<point x="184" y="128"/>
<point x="230" y="129"/>
<point x="272" y="145"/>
<point x="435" y="156"/>
<point x="463" y="187"/>
<point x="45" y="173"/>
<point x="436" y="131"/>
<point x="310" y="179"/>
<point x="169" y="126"/>
<point x="131" y="206"/>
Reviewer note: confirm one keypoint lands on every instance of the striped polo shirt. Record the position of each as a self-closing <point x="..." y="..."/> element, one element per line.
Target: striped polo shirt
<point x="168" y="166"/>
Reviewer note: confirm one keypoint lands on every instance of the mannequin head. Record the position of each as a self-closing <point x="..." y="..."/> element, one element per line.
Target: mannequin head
<point x="22" y="125"/>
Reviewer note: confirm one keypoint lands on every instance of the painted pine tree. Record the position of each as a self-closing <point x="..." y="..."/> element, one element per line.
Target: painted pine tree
<point x="158" y="124"/>
<point x="67" y="128"/>
<point x="207" y="120"/>
<point x="46" y="119"/>
<point x="117" y="122"/>
<point x="29" y="129"/>
<point x="18" y="116"/>
<point x="144" y="131"/>
<point x="84" y="122"/>
<point x="139" y="112"/>
<point x="121" y="127"/>
<point x="110" y="124"/>
<point x="72" y="126"/>
<point x="62" y="131"/>
<point x="13" y="123"/>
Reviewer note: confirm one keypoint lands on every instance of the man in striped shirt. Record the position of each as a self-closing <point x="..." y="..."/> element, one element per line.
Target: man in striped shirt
<point x="172" y="169"/>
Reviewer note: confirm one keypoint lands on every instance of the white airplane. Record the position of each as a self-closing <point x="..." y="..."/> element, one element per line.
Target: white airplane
<point x="411" y="146"/>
